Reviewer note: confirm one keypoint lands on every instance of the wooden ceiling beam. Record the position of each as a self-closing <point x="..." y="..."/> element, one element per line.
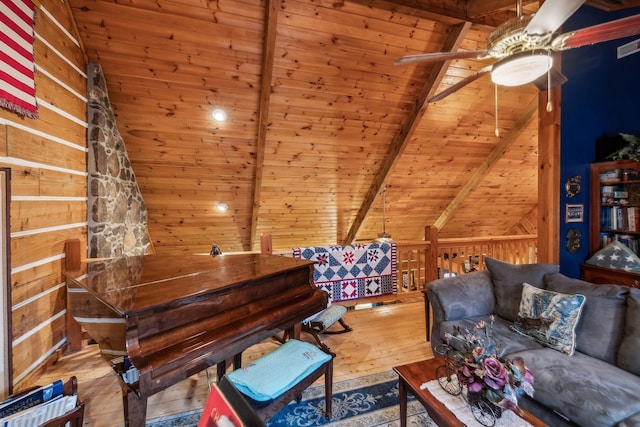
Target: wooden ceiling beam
<point x="498" y="151"/>
<point x="610" y="6"/>
<point x="271" y="23"/>
<point x="449" y="12"/>
<point x="454" y="39"/>
<point x="478" y="8"/>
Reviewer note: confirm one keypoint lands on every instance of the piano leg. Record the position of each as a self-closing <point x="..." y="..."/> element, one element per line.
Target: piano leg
<point x="221" y="368"/>
<point x="135" y="408"/>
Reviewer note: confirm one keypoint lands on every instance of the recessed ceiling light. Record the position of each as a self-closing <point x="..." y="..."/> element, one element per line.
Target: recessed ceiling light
<point x="222" y="207"/>
<point x="219" y="115"/>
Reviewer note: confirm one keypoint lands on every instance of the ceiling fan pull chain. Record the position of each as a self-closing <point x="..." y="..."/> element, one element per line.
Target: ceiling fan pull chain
<point x="549" y="106"/>
<point x="496" y="102"/>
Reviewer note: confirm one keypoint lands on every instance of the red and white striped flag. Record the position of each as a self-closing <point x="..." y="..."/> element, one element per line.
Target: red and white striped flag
<point x="17" y="67"/>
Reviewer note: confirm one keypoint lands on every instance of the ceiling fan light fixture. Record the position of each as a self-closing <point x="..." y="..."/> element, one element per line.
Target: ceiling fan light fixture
<point x="521" y="68"/>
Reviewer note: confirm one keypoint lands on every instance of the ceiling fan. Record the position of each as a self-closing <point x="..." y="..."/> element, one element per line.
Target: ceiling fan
<point x="523" y="46"/>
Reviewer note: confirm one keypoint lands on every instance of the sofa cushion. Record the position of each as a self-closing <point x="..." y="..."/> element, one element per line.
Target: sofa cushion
<point x="508" y="279"/>
<point x="629" y="350"/>
<point x="463" y="296"/>
<point x="549" y="317"/>
<point x="601" y="326"/>
<point x="506" y="340"/>
<point x="589" y="391"/>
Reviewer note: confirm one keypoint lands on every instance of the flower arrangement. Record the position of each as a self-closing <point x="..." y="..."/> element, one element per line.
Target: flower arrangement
<point x="482" y="370"/>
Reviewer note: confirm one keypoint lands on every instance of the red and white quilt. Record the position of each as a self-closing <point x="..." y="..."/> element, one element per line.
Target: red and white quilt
<point x="353" y="271"/>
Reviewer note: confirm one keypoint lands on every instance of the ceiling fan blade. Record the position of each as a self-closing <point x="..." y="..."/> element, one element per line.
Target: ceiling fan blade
<point x="556" y="77"/>
<point x="620" y="28"/>
<point x="552" y="15"/>
<point x="473" y="77"/>
<point x="439" y="56"/>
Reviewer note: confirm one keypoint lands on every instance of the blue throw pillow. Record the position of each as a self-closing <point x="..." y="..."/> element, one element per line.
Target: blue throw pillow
<point x="549" y="317"/>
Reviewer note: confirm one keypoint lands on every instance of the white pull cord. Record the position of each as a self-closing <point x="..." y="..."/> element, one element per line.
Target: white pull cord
<point x="549" y="106"/>
<point x="496" y="102"/>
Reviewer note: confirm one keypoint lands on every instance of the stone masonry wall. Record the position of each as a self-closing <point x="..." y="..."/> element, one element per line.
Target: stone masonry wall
<point x="116" y="210"/>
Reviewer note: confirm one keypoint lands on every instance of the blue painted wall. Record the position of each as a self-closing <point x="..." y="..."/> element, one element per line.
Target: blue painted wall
<point x="601" y="97"/>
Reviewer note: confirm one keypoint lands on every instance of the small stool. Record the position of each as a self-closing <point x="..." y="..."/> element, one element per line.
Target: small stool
<point x="272" y="381"/>
<point x="319" y="323"/>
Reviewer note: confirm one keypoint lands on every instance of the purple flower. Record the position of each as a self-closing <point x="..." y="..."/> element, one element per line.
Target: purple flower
<point x="496" y="374"/>
<point x="528" y="376"/>
<point x="467" y="377"/>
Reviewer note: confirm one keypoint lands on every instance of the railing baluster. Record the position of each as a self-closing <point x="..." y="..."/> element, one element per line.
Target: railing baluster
<point x="414" y="259"/>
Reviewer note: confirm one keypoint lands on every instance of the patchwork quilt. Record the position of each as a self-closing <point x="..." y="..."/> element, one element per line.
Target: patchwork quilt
<point x="353" y="271"/>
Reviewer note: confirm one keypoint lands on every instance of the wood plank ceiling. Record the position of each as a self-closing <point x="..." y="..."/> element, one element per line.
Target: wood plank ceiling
<point x="319" y="119"/>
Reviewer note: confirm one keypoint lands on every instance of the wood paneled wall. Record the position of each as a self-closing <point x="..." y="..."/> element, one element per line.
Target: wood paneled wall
<point x="47" y="157"/>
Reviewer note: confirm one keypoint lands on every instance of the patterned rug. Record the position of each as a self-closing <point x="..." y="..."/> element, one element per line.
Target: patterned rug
<point x="367" y="401"/>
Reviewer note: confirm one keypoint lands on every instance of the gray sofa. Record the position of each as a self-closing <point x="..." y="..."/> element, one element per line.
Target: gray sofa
<point x="597" y="385"/>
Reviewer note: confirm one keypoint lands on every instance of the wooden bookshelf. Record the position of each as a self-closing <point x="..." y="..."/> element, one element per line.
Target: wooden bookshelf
<point x="614" y="215"/>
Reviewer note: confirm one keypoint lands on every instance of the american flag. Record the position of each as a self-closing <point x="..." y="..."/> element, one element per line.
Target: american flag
<point x="617" y="256"/>
<point x="17" y="67"/>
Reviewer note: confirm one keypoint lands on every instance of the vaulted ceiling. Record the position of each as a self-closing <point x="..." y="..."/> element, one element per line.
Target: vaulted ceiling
<point x="320" y="121"/>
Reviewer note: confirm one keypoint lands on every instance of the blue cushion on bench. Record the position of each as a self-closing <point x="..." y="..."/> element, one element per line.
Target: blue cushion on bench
<point x="277" y="372"/>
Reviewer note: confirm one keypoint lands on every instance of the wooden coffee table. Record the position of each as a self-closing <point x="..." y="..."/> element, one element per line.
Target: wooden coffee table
<point x="411" y="376"/>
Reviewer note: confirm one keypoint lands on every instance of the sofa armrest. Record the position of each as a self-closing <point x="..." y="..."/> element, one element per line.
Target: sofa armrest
<point x="456" y="298"/>
<point x="461" y="297"/>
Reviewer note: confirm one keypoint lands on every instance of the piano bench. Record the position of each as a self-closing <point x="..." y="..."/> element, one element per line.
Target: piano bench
<point x="321" y="322"/>
<point x="272" y="381"/>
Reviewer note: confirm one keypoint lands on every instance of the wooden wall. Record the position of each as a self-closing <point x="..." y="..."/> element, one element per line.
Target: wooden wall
<point x="47" y="157"/>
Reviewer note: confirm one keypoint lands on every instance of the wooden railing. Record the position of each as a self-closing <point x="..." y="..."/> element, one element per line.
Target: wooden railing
<point x="418" y="265"/>
<point x="419" y="262"/>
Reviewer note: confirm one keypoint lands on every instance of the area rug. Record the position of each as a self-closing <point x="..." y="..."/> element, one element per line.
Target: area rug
<point x="366" y="401"/>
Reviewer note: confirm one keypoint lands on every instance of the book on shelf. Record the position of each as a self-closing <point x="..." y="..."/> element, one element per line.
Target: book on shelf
<point x="619" y="218"/>
<point x="632" y="218"/>
<point x="628" y="240"/>
<point x="31" y="398"/>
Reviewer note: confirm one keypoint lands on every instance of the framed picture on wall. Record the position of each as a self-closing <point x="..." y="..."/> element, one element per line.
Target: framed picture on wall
<point x="574" y="213"/>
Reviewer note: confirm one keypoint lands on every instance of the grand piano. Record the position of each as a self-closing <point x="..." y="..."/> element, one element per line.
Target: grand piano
<point x="160" y="319"/>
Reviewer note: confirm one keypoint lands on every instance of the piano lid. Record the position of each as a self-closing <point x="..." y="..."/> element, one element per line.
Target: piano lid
<point x="138" y="283"/>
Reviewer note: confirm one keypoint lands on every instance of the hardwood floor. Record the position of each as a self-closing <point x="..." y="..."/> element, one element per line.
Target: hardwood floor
<point x="382" y="337"/>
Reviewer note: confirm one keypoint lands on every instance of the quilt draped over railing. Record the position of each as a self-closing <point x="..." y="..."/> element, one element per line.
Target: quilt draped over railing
<point x="350" y="272"/>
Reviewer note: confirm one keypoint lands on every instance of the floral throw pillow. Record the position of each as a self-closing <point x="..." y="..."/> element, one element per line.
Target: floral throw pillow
<point x="549" y="317"/>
